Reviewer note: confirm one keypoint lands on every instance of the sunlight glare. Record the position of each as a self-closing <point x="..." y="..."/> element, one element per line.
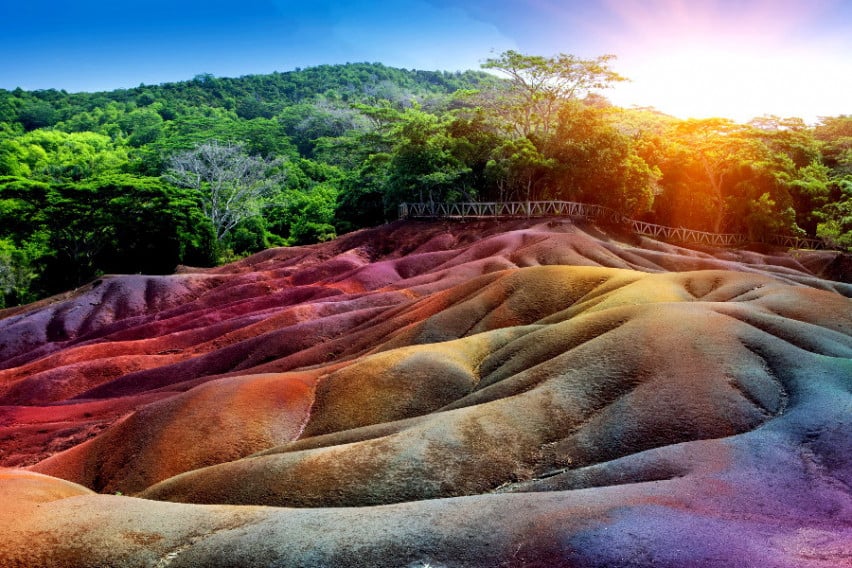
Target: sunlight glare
<point x="703" y="60"/>
<point x="701" y="82"/>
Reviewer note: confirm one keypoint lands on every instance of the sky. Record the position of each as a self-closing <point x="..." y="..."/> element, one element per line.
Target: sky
<point x="689" y="58"/>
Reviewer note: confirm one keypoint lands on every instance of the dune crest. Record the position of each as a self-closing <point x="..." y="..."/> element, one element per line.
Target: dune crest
<point x="524" y="393"/>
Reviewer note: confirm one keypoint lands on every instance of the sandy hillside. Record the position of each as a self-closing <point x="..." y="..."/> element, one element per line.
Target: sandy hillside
<point x="478" y="394"/>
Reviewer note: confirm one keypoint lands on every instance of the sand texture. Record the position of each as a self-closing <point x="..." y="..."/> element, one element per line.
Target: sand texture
<point x="445" y="394"/>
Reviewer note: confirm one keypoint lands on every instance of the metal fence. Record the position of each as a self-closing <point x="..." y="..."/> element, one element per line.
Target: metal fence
<point x="524" y="209"/>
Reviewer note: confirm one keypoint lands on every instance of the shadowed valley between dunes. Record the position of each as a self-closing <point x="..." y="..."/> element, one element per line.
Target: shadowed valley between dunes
<point x="517" y="393"/>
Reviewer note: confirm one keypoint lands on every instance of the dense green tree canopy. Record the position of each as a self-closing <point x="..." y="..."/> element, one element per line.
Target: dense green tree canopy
<point x="104" y="182"/>
<point x="234" y="187"/>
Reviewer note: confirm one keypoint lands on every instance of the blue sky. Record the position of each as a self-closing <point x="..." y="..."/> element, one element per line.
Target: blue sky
<point x="687" y="57"/>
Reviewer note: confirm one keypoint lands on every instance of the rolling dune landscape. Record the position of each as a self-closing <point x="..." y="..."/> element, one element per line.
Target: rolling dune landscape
<point x="527" y="392"/>
<point x="426" y="284"/>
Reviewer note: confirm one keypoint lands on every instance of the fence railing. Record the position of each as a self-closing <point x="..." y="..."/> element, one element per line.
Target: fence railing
<point x="521" y="209"/>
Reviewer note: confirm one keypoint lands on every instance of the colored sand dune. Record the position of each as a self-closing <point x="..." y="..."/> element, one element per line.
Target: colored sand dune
<point x="524" y="393"/>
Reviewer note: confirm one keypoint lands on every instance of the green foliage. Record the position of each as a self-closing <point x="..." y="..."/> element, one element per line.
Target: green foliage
<point x="36" y="114"/>
<point x="306" y="210"/>
<point x="516" y="168"/>
<point x="20" y="266"/>
<point x="361" y="199"/>
<point x="835" y="135"/>
<point x="596" y="162"/>
<point x="836" y="215"/>
<point x="249" y="236"/>
<point x="86" y="186"/>
<point x="142" y="126"/>
<point x="153" y="226"/>
<point x="307" y="123"/>
<point x="810" y="190"/>
<point x="425" y="165"/>
<point x="539" y="86"/>
<point x="62" y="235"/>
<point x="51" y="155"/>
<point x="310" y="215"/>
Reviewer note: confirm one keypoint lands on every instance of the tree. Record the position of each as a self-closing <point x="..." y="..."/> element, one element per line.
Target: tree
<point x="155" y="226"/>
<point x="79" y="230"/>
<point x="836" y="226"/>
<point x="24" y="243"/>
<point x="36" y="114"/>
<point x="708" y="166"/>
<point x="307" y="122"/>
<point x="361" y="201"/>
<point x="788" y="136"/>
<point x="515" y="168"/>
<point x="14" y="274"/>
<point x="835" y="133"/>
<point x="52" y="155"/>
<point x="7" y="273"/>
<point x="310" y="214"/>
<point x="233" y="185"/>
<point x="142" y="126"/>
<point x="810" y="191"/>
<point x="539" y="85"/>
<point x="424" y="165"/>
<point x="595" y="162"/>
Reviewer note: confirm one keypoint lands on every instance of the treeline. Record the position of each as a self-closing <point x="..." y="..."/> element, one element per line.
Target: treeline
<point x="199" y="172"/>
<point x="90" y="184"/>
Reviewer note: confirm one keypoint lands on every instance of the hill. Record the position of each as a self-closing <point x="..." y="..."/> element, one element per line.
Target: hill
<point x="250" y="96"/>
<point x="521" y="393"/>
<point x="130" y="181"/>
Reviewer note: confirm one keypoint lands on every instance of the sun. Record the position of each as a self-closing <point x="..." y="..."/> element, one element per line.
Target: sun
<point x="694" y="63"/>
<point x="738" y="82"/>
<point x="701" y="81"/>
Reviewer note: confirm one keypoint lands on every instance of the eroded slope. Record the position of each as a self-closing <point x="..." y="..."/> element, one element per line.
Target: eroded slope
<point x="477" y="394"/>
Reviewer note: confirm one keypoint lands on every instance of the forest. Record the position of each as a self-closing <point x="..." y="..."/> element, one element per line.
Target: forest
<point x="208" y="170"/>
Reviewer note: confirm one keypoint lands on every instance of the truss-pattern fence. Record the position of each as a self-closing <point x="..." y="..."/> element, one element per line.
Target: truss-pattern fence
<point x="522" y="209"/>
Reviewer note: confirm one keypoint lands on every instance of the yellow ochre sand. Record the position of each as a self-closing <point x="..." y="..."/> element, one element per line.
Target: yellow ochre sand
<point x="526" y="393"/>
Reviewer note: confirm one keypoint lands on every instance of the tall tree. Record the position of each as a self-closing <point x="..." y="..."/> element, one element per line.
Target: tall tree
<point x="538" y="85"/>
<point x="17" y="271"/>
<point x="700" y="171"/>
<point x="233" y="185"/>
<point x="516" y="167"/>
<point x="835" y="133"/>
<point x="424" y="165"/>
<point x="596" y="162"/>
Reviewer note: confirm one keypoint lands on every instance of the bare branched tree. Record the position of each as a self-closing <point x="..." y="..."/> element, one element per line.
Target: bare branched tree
<point x="233" y="185"/>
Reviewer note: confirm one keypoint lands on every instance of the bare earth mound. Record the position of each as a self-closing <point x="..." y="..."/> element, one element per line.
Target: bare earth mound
<point x="526" y="393"/>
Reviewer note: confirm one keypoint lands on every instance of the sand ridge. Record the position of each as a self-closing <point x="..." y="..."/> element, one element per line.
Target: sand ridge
<point x="524" y="393"/>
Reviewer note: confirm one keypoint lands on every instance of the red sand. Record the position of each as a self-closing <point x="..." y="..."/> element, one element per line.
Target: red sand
<point x="521" y="394"/>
